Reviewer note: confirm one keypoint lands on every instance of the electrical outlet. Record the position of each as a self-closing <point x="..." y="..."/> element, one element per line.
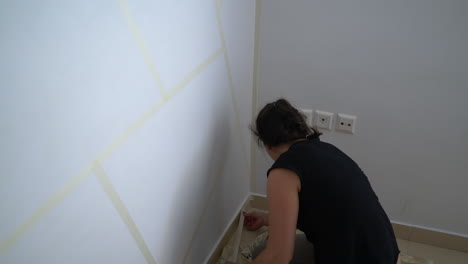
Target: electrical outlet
<point x="309" y="115"/>
<point x="323" y="119"/>
<point x="346" y="123"/>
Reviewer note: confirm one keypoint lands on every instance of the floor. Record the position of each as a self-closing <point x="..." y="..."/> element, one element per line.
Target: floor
<point x="432" y="254"/>
<point x="437" y="255"/>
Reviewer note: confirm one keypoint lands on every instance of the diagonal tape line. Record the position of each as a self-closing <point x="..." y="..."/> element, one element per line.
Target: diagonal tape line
<point x="141" y="45"/>
<point x="76" y="180"/>
<point x="210" y="198"/>
<point x="231" y="85"/>
<point x="196" y="72"/>
<point x="131" y="129"/>
<point x="137" y="124"/>
<point x="123" y="211"/>
<point x="50" y="203"/>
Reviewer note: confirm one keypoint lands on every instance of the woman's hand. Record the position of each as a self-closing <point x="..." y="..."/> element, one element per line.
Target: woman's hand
<point x="255" y="220"/>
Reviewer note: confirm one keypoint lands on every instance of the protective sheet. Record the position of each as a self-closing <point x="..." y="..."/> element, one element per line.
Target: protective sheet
<point x="253" y="241"/>
<point x="249" y="241"/>
<point x="405" y="259"/>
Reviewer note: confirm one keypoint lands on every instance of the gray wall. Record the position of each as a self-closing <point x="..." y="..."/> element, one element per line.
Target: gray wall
<point x="401" y="67"/>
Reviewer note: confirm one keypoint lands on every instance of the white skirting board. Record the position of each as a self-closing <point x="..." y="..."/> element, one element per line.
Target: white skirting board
<point x="229" y="226"/>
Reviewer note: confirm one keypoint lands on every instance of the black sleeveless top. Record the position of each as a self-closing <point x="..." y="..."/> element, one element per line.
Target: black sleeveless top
<point x="338" y="210"/>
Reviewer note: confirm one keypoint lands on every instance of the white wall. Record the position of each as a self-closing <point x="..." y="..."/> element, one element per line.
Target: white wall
<point x="78" y="85"/>
<point x="402" y="68"/>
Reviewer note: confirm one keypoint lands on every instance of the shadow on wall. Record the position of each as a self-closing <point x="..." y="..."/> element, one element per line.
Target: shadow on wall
<point x="199" y="181"/>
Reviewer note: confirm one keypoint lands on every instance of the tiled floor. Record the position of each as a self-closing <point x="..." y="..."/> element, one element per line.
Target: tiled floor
<point x="438" y="255"/>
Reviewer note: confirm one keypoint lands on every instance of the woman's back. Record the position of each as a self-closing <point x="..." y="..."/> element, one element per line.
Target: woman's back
<point x="338" y="210"/>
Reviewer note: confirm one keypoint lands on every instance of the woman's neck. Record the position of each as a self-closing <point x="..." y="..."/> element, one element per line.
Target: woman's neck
<point x="285" y="147"/>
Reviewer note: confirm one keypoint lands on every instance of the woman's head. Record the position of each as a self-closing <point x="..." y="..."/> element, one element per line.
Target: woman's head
<point x="280" y="123"/>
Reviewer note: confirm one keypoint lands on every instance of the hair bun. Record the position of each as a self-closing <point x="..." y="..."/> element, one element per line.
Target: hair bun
<point x="279" y="123"/>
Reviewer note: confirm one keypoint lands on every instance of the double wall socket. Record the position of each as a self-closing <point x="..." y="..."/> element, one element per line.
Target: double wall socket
<point x="324" y="120"/>
<point x="346" y="123"/>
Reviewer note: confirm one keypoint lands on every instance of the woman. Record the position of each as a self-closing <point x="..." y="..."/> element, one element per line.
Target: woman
<point x="316" y="188"/>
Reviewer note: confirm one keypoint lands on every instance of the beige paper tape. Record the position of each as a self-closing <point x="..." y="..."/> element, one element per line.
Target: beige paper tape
<point x="43" y="210"/>
<point x="123" y="212"/>
<point x="141" y="45"/>
<point x="238" y="234"/>
<point x="219" y="4"/>
<point x="137" y="124"/>
<point x="76" y="181"/>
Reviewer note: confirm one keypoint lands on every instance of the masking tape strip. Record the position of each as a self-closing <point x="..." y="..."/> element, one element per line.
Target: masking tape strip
<point x="219" y="4"/>
<point x="240" y="227"/>
<point x="137" y="124"/>
<point x="51" y="203"/>
<point x="74" y="182"/>
<point x="253" y="145"/>
<point x="207" y="203"/>
<point x="123" y="212"/>
<point x="141" y="45"/>
<point x="196" y="72"/>
<point x="231" y="85"/>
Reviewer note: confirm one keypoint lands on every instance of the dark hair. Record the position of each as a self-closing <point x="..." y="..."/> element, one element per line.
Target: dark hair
<point x="279" y="122"/>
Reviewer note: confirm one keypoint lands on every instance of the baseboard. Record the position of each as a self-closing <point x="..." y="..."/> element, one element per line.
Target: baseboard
<point x="438" y="238"/>
<point x="224" y="238"/>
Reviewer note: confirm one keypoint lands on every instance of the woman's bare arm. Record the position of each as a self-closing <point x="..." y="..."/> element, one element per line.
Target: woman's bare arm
<point x="283" y="188"/>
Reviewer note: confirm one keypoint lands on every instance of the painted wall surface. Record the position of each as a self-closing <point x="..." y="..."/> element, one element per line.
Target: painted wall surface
<point x="120" y="129"/>
<point x="402" y="68"/>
